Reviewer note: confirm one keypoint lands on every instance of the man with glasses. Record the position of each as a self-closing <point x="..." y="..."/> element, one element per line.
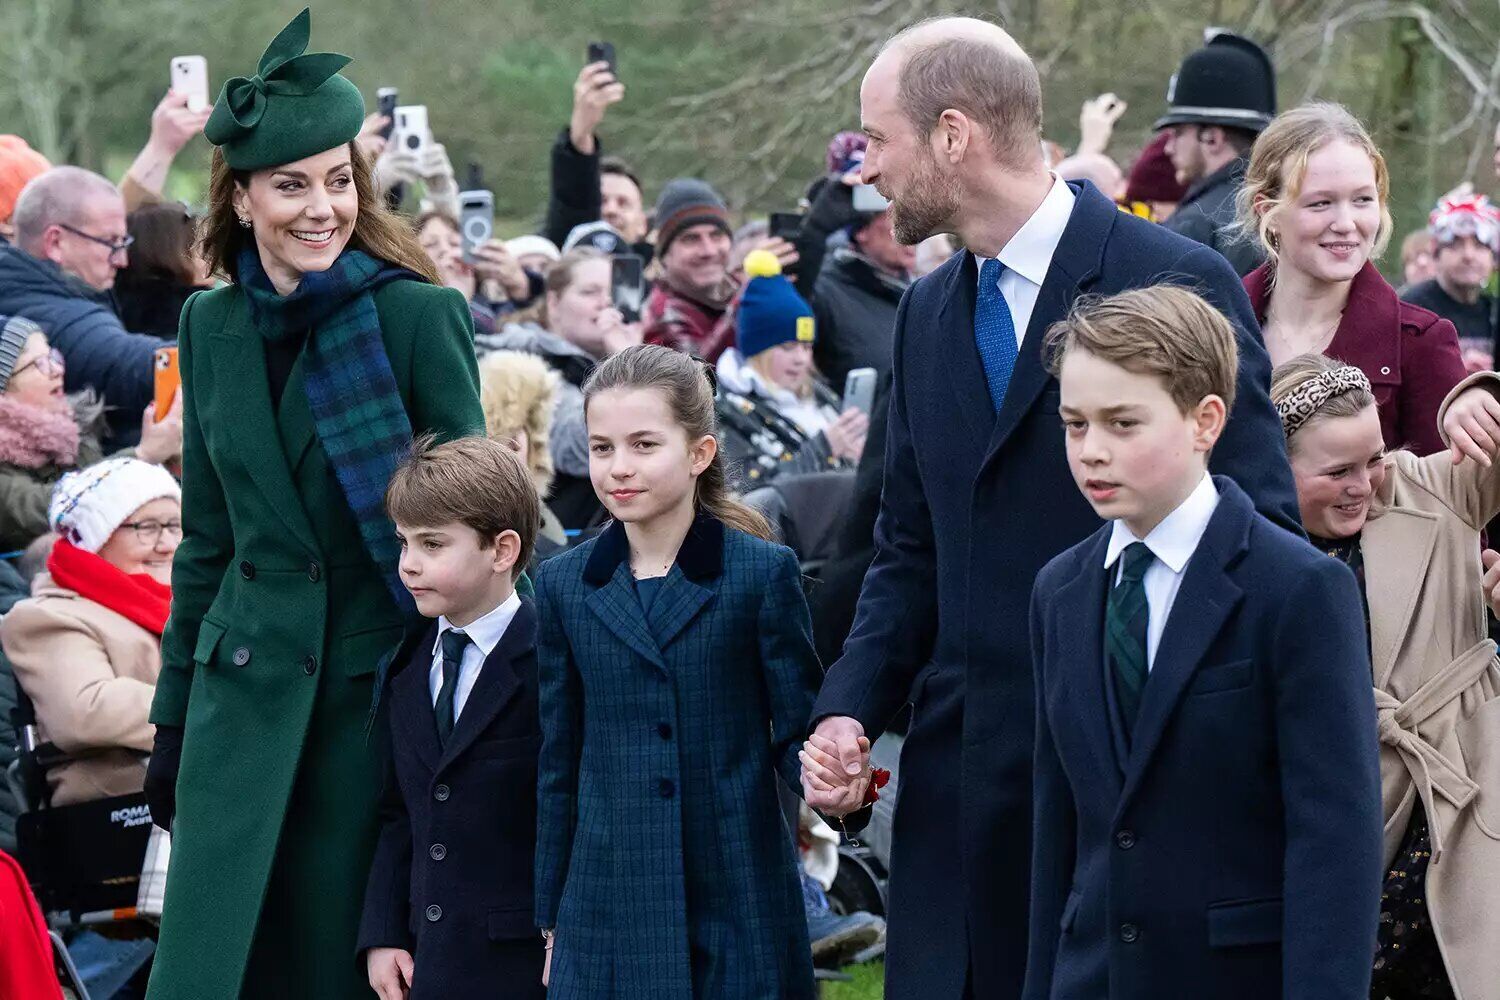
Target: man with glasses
<point x="70" y="241"/>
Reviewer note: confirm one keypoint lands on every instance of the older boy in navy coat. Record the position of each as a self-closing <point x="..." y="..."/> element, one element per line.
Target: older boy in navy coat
<point x="1206" y="787"/>
<point x="449" y="905"/>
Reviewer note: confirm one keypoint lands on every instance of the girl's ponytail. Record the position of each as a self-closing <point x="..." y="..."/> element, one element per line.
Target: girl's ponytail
<point x="688" y="386"/>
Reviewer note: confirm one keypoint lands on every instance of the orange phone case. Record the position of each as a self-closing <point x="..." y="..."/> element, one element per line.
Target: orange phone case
<point x="168" y="379"/>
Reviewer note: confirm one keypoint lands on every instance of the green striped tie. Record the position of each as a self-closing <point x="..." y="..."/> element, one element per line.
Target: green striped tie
<point x="1125" y="619"/>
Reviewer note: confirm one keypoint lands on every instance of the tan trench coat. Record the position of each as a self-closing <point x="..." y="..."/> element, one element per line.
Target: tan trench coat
<point x="91" y="673"/>
<point x="1437" y="688"/>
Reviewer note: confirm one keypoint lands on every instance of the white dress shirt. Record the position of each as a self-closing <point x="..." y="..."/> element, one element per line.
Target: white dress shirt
<point x="1173" y="543"/>
<point x="1028" y="255"/>
<point x="484" y="635"/>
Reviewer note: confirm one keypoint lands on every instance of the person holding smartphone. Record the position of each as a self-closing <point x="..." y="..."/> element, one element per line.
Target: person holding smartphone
<point x="776" y="416"/>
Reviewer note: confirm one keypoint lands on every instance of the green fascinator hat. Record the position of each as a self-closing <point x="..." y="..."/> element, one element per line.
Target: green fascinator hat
<point x="295" y="106"/>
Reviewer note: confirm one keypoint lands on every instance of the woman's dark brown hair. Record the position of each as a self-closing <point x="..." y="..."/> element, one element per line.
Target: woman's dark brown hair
<point x="378" y="231"/>
<point x="163" y="247"/>
<point x="684" y="383"/>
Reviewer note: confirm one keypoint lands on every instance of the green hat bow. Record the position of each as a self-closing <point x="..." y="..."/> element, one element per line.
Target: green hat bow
<point x="293" y="91"/>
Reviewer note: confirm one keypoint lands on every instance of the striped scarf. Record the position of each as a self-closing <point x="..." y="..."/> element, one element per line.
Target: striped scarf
<point x="356" y="406"/>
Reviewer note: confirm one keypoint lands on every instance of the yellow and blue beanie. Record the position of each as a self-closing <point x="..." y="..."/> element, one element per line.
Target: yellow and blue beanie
<point x="771" y="312"/>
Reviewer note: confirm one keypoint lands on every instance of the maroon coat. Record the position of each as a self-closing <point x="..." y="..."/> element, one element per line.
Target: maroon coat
<point x="1409" y="354"/>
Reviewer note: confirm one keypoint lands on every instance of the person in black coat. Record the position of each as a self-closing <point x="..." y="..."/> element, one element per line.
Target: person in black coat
<point x="977" y="498"/>
<point x="449" y="904"/>
<point x="1207" y="784"/>
<point x="855" y="299"/>
<point x="163" y="271"/>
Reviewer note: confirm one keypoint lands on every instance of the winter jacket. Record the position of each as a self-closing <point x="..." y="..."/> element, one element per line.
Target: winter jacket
<point x="855" y="305"/>
<point x="81" y="323"/>
<point x="575" y="196"/>
<point x="91" y="672"/>
<point x="27" y="474"/>
<point x="766" y="431"/>
<point x="1207" y="211"/>
<point x="151" y="305"/>
<point x="572" y="498"/>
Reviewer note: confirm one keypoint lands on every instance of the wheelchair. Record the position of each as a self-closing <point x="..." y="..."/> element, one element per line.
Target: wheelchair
<point x="83" y="861"/>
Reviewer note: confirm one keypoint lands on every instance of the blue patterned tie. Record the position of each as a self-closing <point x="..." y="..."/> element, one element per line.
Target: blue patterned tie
<point x="994" y="332"/>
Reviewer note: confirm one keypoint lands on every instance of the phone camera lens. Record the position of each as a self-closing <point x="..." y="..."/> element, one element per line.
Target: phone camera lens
<point x="413" y="141"/>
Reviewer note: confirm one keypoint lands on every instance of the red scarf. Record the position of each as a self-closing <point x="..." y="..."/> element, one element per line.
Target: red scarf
<point x="135" y="595"/>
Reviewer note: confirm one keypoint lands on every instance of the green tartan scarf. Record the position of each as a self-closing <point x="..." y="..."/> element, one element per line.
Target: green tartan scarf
<point x="357" y="409"/>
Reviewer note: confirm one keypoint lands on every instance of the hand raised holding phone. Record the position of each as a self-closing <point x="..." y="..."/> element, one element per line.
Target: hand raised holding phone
<point x="595" y="90"/>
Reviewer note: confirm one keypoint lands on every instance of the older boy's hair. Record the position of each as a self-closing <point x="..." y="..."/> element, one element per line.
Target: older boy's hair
<point x="473" y="480"/>
<point x="1165" y="330"/>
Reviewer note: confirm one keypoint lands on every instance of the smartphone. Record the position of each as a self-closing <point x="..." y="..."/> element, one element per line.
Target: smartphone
<point x="603" y="52"/>
<point x="385" y="103"/>
<point x="411" y="127"/>
<point x="190" y="77"/>
<point x="476" y="221"/>
<point x="168" y="379"/>
<point x="627" y="285"/>
<point x="867" y="199"/>
<point x="859" y="390"/>
<point x="786" y="226"/>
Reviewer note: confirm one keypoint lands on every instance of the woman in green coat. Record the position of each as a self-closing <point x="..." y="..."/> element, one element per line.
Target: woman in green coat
<point x="305" y="380"/>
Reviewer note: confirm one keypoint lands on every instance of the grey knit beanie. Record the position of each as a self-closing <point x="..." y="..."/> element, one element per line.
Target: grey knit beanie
<point x="14" y="332"/>
<point x="687" y="202"/>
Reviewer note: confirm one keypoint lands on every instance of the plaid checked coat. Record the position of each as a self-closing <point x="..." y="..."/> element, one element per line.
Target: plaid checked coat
<point x="278" y="621"/>
<point x="662" y="857"/>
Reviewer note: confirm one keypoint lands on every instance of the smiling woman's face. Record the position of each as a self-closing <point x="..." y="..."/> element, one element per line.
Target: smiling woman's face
<point x="302" y="213"/>
<point x="1328" y="229"/>
<point x="147" y="540"/>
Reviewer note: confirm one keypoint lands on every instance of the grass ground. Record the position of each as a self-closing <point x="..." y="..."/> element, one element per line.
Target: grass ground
<point x="868" y="983"/>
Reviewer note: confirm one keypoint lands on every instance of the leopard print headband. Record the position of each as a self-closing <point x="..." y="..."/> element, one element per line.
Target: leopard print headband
<point x="1303" y="403"/>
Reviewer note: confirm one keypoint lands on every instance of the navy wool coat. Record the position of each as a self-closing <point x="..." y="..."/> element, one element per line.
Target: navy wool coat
<point x="663" y="861"/>
<point x="1231" y="848"/>
<point x="451" y="881"/>
<point x="974" y="505"/>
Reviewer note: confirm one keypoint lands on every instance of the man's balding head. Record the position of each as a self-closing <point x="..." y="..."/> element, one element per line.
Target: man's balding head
<point x="66" y="215"/>
<point x="973" y="67"/>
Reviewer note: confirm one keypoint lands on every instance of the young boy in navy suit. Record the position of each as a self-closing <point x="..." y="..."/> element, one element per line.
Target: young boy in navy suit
<point x="1206" y="788"/>
<point x="449" y="905"/>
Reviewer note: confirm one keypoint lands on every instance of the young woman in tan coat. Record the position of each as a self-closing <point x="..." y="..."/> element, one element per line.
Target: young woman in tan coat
<point x="1409" y="528"/>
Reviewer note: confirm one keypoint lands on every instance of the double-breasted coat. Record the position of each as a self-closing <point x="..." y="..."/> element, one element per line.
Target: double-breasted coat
<point x="279" y="618"/>
<point x="974" y="503"/>
<point x="663" y="860"/>
<point x="1437" y="686"/>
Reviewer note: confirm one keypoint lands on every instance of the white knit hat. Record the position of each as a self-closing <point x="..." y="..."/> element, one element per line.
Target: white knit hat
<point x="89" y="504"/>
<point x="523" y="246"/>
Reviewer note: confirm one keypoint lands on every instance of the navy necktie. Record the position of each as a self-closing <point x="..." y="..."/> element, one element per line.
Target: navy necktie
<point x="994" y="332"/>
<point x="1125" y="620"/>
<point x="454" y="643"/>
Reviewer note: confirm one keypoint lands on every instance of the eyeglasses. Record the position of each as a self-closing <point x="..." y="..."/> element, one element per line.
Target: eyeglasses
<point x="149" y="532"/>
<point x="115" y="246"/>
<point x="49" y="364"/>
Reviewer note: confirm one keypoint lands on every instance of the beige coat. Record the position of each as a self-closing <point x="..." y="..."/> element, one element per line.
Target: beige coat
<point x="91" y="674"/>
<point x="1437" y="687"/>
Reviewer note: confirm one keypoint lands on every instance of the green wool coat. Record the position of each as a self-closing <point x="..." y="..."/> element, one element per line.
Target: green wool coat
<point x="279" y="619"/>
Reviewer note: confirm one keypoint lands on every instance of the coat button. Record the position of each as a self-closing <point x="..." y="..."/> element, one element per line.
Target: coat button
<point x="434" y="913"/>
<point x="247" y="570"/>
<point x="310" y="665"/>
<point x="666" y="788"/>
<point x="1129" y="933"/>
<point x="1385" y="371"/>
<point x="314" y="572"/>
<point x="1125" y="840"/>
<point x="441" y="793"/>
<point x="241" y="656"/>
<point x="437" y="852"/>
<point x="664" y="731"/>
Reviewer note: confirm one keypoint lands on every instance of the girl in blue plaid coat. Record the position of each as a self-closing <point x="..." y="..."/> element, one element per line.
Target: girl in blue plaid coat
<point x="676" y="676"/>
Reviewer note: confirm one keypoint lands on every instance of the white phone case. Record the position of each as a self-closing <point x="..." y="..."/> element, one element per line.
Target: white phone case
<point x="411" y="128"/>
<point x="190" y="77"/>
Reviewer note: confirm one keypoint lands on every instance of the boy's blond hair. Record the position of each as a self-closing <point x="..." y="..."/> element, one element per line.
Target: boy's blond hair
<point x="472" y="480"/>
<point x="1165" y="330"/>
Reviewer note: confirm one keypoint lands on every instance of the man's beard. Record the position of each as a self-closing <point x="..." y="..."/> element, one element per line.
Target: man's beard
<point x="926" y="208"/>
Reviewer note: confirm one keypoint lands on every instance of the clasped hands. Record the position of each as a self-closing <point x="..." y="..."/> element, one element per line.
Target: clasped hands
<point x="836" y="766"/>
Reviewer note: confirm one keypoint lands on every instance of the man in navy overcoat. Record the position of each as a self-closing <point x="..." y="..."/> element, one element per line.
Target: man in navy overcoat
<point x="977" y="496"/>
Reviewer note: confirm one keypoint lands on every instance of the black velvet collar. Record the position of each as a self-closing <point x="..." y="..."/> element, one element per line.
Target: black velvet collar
<point x="701" y="556"/>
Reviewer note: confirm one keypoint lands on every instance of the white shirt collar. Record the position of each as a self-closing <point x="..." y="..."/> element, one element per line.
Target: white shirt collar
<point x="484" y="632"/>
<point x="1176" y="538"/>
<point x="1029" y="252"/>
